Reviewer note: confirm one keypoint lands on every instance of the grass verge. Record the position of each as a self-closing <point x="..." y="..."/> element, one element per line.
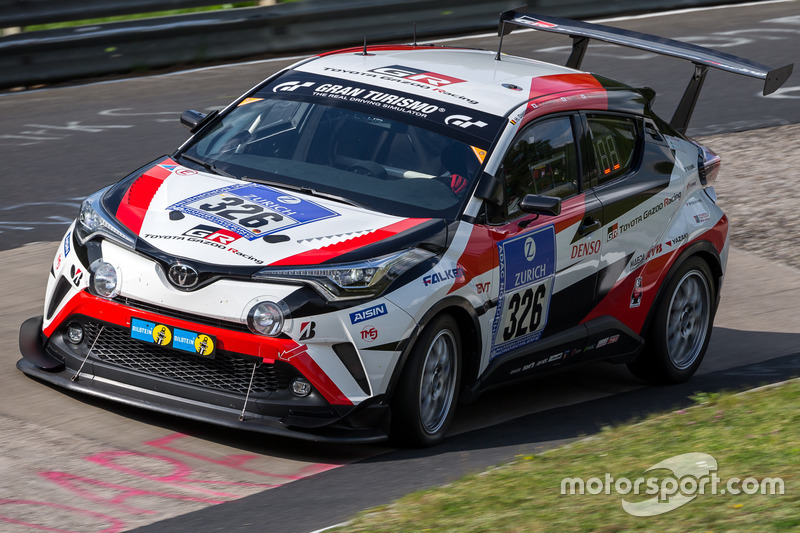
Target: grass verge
<point x="752" y="435"/>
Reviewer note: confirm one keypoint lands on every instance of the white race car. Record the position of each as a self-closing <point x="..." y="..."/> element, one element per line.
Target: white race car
<point x="371" y="235"/>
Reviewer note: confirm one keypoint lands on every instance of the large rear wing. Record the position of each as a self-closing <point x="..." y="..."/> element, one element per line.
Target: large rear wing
<point x="703" y="58"/>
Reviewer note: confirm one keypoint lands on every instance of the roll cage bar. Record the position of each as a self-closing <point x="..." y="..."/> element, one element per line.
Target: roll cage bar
<point x="703" y="58"/>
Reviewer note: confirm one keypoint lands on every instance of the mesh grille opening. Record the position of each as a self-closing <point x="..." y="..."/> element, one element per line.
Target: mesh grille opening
<point x="223" y="373"/>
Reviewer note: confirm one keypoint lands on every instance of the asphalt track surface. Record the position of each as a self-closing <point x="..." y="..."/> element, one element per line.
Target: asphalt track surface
<point x="58" y="145"/>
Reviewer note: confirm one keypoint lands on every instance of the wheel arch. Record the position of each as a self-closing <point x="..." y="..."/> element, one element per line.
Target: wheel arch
<point x="471" y="341"/>
<point x="706" y="251"/>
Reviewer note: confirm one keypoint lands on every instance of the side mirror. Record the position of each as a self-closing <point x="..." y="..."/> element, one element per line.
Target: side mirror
<point x="541" y="205"/>
<point x="194" y="119"/>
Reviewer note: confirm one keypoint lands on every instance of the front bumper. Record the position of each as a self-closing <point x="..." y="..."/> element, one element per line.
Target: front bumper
<point x="119" y="369"/>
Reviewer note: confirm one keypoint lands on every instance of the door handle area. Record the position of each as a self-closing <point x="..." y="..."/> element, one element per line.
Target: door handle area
<point x="589" y="225"/>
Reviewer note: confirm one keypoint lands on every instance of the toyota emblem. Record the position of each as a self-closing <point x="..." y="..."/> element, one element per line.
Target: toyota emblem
<point x="183" y="276"/>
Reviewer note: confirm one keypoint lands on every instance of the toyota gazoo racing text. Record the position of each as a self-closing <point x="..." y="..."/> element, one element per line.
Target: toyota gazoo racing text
<point x="373" y="235"/>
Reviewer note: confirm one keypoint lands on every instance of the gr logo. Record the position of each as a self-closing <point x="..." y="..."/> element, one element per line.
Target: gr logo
<point x="422" y="76"/>
<point x="210" y="233"/>
<point x="291" y="86"/>
<point x="463" y="121"/>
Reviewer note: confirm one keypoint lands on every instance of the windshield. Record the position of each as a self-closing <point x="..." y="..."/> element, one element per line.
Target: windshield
<point x="383" y="157"/>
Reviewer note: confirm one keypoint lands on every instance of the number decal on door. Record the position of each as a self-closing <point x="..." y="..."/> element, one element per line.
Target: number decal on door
<point x="530" y="303"/>
<point x="527" y="270"/>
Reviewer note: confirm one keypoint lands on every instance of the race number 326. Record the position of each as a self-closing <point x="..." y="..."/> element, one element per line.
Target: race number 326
<point x="524" y="312"/>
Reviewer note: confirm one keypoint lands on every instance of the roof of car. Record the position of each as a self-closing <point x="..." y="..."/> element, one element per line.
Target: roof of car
<point x="473" y="78"/>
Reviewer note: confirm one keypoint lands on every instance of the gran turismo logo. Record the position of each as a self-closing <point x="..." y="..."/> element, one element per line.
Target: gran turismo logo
<point x="464" y="121"/>
<point x="290" y="86"/>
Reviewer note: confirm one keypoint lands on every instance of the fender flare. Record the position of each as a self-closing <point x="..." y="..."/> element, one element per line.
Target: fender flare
<point x="470" y="358"/>
<point x="707" y="252"/>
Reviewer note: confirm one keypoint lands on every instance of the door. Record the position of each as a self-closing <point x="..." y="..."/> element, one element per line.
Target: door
<point x="547" y="264"/>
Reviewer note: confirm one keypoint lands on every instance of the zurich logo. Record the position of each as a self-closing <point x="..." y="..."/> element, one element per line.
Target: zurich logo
<point x="183" y="276"/>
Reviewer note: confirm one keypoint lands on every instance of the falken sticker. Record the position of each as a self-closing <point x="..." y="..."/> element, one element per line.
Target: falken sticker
<point x="527" y="270"/>
<point x="253" y="210"/>
<point x="67" y="245"/>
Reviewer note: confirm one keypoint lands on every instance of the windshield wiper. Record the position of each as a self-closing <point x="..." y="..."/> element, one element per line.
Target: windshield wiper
<point x="305" y="190"/>
<point x="211" y="167"/>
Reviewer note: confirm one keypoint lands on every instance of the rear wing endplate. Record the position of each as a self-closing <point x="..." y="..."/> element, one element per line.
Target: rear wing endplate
<point x="703" y="58"/>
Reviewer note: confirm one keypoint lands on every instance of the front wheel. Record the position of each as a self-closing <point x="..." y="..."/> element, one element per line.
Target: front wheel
<point x="681" y="327"/>
<point x="425" y="400"/>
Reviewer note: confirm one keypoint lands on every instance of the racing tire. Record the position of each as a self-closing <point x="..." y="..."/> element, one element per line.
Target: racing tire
<point x="679" y="333"/>
<point x="424" y="402"/>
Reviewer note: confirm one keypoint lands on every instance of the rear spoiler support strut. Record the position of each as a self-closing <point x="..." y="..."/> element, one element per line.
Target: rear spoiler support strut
<point x="703" y="58"/>
<point x="680" y="120"/>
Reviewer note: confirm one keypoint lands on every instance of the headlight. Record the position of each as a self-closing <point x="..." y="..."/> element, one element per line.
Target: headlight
<point x="105" y="279"/>
<point x="350" y="280"/>
<point x="265" y="318"/>
<point x="94" y="221"/>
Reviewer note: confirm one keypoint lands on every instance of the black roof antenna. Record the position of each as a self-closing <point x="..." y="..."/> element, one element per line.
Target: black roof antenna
<point x="415" y="34"/>
<point x="364" y="53"/>
<point x="500" y="46"/>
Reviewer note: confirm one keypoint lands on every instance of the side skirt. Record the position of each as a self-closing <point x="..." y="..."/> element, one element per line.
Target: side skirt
<point x="602" y="338"/>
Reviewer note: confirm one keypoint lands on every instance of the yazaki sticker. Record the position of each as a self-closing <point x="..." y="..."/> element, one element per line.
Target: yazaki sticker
<point x="527" y="270"/>
<point x="253" y="210"/>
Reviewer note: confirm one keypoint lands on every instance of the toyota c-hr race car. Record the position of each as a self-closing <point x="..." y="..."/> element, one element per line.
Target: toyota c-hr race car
<point x="372" y="235"/>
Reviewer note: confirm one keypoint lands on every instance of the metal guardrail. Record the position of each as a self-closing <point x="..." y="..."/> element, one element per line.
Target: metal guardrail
<point x="309" y="25"/>
<point x="31" y="12"/>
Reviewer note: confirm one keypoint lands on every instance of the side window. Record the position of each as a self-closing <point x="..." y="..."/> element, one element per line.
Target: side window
<point x="543" y="161"/>
<point x="613" y="141"/>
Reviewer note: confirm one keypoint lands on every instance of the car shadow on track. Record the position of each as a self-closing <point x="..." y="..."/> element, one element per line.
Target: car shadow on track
<point x="334" y="496"/>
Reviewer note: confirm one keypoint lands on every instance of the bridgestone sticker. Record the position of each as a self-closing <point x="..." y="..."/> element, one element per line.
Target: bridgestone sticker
<point x="253" y="210"/>
<point x="527" y="270"/>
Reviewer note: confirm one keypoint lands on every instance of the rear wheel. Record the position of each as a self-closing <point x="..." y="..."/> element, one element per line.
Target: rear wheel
<point x="681" y="326"/>
<point x="425" y="400"/>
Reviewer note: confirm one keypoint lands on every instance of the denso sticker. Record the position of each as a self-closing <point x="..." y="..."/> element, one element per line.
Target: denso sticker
<point x="527" y="270"/>
<point x="366" y="314"/>
<point x="253" y="210"/>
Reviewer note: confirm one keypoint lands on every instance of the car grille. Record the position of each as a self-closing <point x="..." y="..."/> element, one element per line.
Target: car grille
<point x="223" y="373"/>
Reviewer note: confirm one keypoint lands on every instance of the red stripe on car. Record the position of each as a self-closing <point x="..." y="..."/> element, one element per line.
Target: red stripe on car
<point x="267" y="348"/>
<point x="564" y="92"/>
<point x="326" y="253"/>
<point x="134" y="204"/>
